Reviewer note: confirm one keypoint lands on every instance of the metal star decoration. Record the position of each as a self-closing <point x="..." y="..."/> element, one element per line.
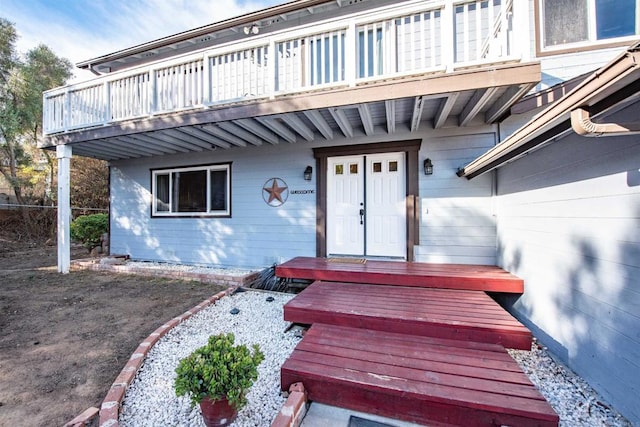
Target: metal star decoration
<point x="275" y="191"/>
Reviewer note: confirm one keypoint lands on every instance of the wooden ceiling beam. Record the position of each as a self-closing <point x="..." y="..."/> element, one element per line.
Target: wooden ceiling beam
<point x="390" y="110"/>
<point x="365" y="116"/>
<point x="281" y="130"/>
<point x="416" y="117"/>
<point x="320" y="123"/>
<point x="240" y="133"/>
<point x="153" y="136"/>
<point x="444" y="109"/>
<point x="475" y="105"/>
<point x="295" y="123"/>
<point x="343" y="122"/>
<point x="257" y="129"/>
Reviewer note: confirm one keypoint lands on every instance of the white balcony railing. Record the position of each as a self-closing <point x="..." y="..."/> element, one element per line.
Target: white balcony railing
<point x="413" y="37"/>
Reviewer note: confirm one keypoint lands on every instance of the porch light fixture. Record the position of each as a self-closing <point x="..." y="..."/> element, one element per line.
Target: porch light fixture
<point x="307" y="173"/>
<point x="428" y="167"/>
<point x="251" y="29"/>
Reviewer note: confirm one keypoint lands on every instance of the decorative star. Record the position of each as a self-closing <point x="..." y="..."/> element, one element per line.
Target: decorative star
<point x="275" y="192"/>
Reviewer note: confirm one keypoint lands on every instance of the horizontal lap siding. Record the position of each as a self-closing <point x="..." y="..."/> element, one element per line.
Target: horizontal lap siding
<point x="569" y="225"/>
<point x="457" y="223"/>
<point x="256" y="235"/>
<point x="559" y="68"/>
<point x="459" y="226"/>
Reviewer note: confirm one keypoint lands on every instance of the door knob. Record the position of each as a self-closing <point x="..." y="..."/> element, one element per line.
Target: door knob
<point x="361" y="216"/>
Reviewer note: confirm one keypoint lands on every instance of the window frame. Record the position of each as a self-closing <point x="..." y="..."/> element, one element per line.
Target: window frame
<point x="590" y="44"/>
<point x="208" y="168"/>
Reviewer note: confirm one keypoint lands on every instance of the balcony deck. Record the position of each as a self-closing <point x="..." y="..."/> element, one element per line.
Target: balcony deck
<point x="383" y="68"/>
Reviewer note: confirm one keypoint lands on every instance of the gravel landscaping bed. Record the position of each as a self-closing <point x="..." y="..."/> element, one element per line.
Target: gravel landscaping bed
<point x="151" y="401"/>
<point x="571" y="397"/>
<point x="165" y="266"/>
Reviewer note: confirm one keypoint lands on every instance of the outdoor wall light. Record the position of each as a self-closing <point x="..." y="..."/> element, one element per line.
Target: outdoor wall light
<point x="307" y="173"/>
<point x="428" y="167"/>
<point x="251" y="29"/>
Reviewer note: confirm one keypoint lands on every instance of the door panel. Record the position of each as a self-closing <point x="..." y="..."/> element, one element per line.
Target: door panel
<point x="345" y="198"/>
<point x="386" y="205"/>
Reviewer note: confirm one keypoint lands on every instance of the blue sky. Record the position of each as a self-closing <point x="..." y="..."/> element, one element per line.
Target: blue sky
<point x="83" y="29"/>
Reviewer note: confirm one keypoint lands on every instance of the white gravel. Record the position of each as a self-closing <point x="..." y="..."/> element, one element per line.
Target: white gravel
<point x="573" y="399"/>
<point x="166" y="266"/>
<point x="151" y="401"/>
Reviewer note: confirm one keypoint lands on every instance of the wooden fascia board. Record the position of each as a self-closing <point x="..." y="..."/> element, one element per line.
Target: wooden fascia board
<point x="423" y="85"/>
<point x="249" y="18"/>
<point x="596" y="91"/>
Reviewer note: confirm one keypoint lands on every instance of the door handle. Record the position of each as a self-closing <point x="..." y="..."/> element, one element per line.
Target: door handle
<point x="361" y="216"/>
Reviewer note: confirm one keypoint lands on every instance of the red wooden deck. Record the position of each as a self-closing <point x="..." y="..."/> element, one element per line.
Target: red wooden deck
<point x="444" y="313"/>
<point x="424" y="380"/>
<point x="443" y="276"/>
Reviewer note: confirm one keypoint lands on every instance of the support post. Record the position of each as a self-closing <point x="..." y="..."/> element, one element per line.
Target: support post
<point x="63" y="154"/>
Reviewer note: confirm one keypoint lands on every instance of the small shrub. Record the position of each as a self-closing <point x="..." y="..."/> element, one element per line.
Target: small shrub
<point x="88" y="229"/>
<point x="218" y="370"/>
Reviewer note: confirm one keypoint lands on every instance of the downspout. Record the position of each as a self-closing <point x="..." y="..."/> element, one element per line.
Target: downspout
<point x="582" y="125"/>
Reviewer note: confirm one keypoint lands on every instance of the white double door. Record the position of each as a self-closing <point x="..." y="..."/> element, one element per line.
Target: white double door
<point x="366" y="208"/>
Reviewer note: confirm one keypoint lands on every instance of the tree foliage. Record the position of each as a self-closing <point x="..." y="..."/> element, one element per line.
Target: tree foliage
<point x="22" y="81"/>
<point x="89" y="183"/>
<point x="30" y="171"/>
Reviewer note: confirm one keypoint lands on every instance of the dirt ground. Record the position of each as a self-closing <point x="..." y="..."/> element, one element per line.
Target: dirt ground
<point x="65" y="338"/>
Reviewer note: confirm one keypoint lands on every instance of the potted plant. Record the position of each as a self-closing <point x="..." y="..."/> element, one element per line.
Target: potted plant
<point x="218" y="376"/>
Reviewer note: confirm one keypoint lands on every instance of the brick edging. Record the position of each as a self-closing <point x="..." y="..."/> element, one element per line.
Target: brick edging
<point x="110" y="408"/>
<point x="294" y="409"/>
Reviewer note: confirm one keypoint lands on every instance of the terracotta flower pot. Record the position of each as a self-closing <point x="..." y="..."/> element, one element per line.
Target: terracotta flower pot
<point x="217" y="413"/>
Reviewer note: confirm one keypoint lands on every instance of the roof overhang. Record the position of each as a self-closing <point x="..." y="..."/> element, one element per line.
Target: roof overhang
<point x="609" y="89"/>
<point x="204" y="31"/>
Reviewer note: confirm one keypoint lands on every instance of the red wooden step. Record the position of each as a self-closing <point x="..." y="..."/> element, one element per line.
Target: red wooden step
<point x="444" y="276"/>
<point x="424" y="380"/>
<point x="444" y="313"/>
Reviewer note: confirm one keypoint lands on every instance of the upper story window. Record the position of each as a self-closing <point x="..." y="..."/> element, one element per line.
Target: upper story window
<point x="193" y="191"/>
<point x="573" y="23"/>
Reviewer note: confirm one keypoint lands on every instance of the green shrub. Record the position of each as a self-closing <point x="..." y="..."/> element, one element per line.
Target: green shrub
<point x="218" y="370"/>
<point x="88" y="229"/>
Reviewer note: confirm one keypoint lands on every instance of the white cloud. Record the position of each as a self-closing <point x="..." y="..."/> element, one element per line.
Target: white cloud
<point x="79" y="30"/>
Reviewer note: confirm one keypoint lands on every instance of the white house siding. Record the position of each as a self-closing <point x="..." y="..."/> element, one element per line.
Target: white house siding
<point x="569" y="225"/>
<point x="456" y="216"/>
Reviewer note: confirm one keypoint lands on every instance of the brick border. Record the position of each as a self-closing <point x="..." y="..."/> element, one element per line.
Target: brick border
<point x="294" y="409"/>
<point x="110" y="408"/>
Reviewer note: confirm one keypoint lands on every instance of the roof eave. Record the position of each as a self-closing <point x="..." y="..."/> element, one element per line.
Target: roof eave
<point x="555" y="119"/>
<point x="248" y="18"/>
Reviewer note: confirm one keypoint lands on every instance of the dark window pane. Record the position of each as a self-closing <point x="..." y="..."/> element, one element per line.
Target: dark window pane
<point x="565" y="21"/>
<point x="615" y="18"/>
<point x="190" y="190"/>
<point x="219" y="190"/>
<point x="162" y="193"/>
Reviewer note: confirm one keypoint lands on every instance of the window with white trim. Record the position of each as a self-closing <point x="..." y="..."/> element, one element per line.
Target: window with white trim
<point x="192" y="191"/>
<point x="573" y="23"/>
